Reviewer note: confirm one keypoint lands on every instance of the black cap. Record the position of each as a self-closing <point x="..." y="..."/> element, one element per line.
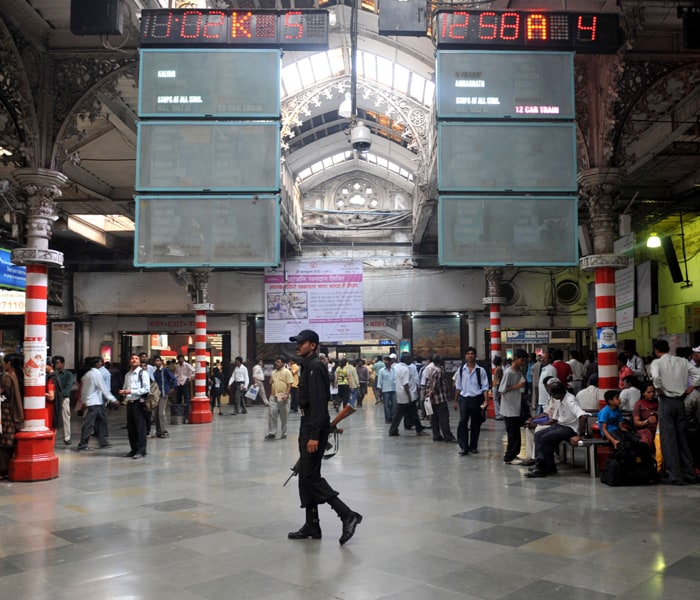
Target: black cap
<point x="305" y="335"/>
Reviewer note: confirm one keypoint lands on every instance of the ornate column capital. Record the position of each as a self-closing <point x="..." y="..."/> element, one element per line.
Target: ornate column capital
<point x="597" y="261"/>
<point x="599" y="188"/>
<point x="494" y="278"/>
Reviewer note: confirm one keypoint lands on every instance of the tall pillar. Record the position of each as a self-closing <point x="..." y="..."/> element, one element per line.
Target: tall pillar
<point x="34" y="458"/>
<point x="200" y="410"/>
<point x="494" y="276"/>
<point x="599" y="188"/>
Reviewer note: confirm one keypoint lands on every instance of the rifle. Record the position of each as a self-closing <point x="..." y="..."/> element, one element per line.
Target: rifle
<point x="336" y="431"/>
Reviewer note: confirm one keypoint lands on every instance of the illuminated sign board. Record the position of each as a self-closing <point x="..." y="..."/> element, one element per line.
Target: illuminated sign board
<point x="289" y="29"/>
<point x="215" y="82"/>
<point x="592" y="33"/>
<point x="495" y="84"/>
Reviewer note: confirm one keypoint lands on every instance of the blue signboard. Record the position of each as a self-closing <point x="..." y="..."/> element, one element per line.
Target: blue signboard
<point x="12" y="276"/>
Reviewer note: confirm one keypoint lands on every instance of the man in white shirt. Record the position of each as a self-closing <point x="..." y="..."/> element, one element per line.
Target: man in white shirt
<point x="635" y="362"/>
<point x="406" y="392"/>
<point x="629" y="394"/>
<point x="93" y="392"/>
<point x="576" y="365"/>
<point x="547" y="370"/>
<point x="590" y="396"/>
<point x="671" y="376"/>
<point x="570" y="424"/>
<point x="137" y="384"/>
<point x="259" y="380"/>
<point x="237" y="385"/>
<point x="511" y="388"/>
<point x="184" y="373"/>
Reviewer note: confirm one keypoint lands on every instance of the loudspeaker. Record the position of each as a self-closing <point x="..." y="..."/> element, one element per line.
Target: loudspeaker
<point x="691" y="30"/>
<point x="672" y="260"/>
<point x="96" y="17"/>
<point x="402" y="17"/>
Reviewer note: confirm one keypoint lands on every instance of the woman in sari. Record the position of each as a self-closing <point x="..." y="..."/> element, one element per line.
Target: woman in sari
<point x="11" y="408"/>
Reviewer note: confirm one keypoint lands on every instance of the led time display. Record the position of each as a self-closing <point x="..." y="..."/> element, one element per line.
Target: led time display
<point x="528" y="30"/>
<point x="292" y="29"/>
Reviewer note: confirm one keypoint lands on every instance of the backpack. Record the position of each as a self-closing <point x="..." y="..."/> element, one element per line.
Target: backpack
<point x="151" y="400"/>
<point x="632" y="463"/>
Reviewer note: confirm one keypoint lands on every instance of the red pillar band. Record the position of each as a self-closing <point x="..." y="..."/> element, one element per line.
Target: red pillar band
<point x="495" y="314"/>
<point x="34" y="458"/>
<point x="606" y="327"/>
<point x="200" y="411"/>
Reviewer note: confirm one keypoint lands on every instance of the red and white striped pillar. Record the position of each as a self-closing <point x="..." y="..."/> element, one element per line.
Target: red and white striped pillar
<point x="599" y="187"/>
<point x="34" y="458"/>
<point x="494" y="277"/>
<point x="200" y="411"/>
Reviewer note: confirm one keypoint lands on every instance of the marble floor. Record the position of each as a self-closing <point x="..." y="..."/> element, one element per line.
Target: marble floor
<point x="205" y="515"/>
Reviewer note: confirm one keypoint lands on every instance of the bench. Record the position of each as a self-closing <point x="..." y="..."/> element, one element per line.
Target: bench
<point x="591" y="445"/>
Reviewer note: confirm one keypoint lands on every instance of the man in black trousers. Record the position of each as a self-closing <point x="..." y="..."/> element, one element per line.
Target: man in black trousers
<point x="315" y="427"/>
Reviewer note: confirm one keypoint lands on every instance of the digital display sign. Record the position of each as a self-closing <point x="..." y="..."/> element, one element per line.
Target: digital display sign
<point x="200" y="231"/>
<point x="593" y="33"/>
<point x="506" y="157"/>
<point x="497" y="84"/>
<point x="202" y="156"/>
<point x="290" y="29"/>
<point x="217" y="82"/>
<point x="475" y="231"/>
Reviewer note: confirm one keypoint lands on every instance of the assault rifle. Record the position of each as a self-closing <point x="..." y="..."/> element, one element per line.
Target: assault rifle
<point x="335" y="431"/>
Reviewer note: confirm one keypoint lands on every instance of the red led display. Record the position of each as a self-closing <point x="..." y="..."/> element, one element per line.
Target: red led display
<point x="528" y="30"/>
<point x="293" y="29"/>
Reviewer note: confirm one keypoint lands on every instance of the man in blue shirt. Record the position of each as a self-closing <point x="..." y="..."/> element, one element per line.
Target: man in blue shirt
<point x="166" y="381"/>
<point x="471" y="398"/>
<point x="93" y="391"/>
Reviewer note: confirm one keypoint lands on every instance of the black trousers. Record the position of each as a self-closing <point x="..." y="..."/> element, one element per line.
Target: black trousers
<point x="136" y="427"/>
<point x="546" y="443"/>
<point x="678" y="459"/>
<point x="313" y="488"/>
<point x="440" y="422"/>
<point x="409" y="414"/>
<point x="95" y="420"/>
<point x="514" y="439"/>
<point x="469" y="422"/>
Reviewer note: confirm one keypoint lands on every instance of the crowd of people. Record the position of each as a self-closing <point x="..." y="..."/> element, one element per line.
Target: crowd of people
<point x="539" y="397"/>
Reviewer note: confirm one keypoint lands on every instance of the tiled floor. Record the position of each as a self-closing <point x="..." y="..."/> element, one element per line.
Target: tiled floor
<point x="205" y="516"/>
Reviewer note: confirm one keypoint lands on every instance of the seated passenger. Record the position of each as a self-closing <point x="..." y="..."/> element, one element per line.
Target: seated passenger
<point x="588" y="397"/>
<point x="610" y="418"/>
<point x="630" y="393"/>
<point x="569" y="426"/>
<point x="645" y="416"/>
<point x="540" y="422"/>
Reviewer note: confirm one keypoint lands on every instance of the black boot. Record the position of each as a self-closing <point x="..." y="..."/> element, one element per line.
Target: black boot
<point x="350" y="518"/>
<point x="310" y="529"/>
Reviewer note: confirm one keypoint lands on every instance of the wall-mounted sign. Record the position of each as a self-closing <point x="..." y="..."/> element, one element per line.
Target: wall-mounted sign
<point x="12" y="276"/>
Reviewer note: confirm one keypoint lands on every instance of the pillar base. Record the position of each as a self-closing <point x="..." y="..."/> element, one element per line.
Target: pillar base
<point x="34" y="458"/>
<point x="200" y="410"/>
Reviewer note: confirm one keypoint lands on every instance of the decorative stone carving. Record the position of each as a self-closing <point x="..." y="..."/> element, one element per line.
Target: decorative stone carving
<point x="596" y="261"/>
<point x="494" y="278"/>
<point x="600" y="189"/>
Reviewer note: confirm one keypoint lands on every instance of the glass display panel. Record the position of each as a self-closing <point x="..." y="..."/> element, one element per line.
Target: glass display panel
<point x="527" y="157"/>
<point x="204" y="231"/>
<point x="201" y="83"/>
<point x="523" y="85"/>
<point x="208" y="156"/>
<point x="523" y="231"/>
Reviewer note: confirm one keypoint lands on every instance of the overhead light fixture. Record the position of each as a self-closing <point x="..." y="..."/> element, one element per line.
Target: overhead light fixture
<point x="654" y="241"/>
<point x="345" y="108"/>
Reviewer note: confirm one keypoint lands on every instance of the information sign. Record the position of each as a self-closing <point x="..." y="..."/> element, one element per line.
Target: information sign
<point x="495" y="84"/>
<point x="476" y="231"/>
<point x="207" y="231"/>
<point x="506" y="156"/>
<point x="189" y="156"/>
<point x="209" y="83"/>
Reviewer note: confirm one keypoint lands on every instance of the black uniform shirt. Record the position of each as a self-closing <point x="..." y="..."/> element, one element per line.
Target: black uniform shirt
<point x="314" y="394"/>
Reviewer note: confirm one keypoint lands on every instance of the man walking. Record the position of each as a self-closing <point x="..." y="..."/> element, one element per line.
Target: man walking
<point x="166" y="381"/>
<point x="280" y="390"/>
<point x="471" y="398"/>
<point x="238" y="384"/>
<point x="674" y="378"/>
<point x="93" y="391"/>
<point x="66" y="380"/>
<point x="314" y="429"/>
<point x="405" y="394"/>
<point x="184" y="373"/>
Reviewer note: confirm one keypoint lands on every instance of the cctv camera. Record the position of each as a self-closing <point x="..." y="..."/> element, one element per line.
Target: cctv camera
<point x="360" y="138"/>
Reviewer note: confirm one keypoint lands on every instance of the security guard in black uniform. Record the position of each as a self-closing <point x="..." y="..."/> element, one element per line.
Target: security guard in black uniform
<point x="314" y="394"/>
